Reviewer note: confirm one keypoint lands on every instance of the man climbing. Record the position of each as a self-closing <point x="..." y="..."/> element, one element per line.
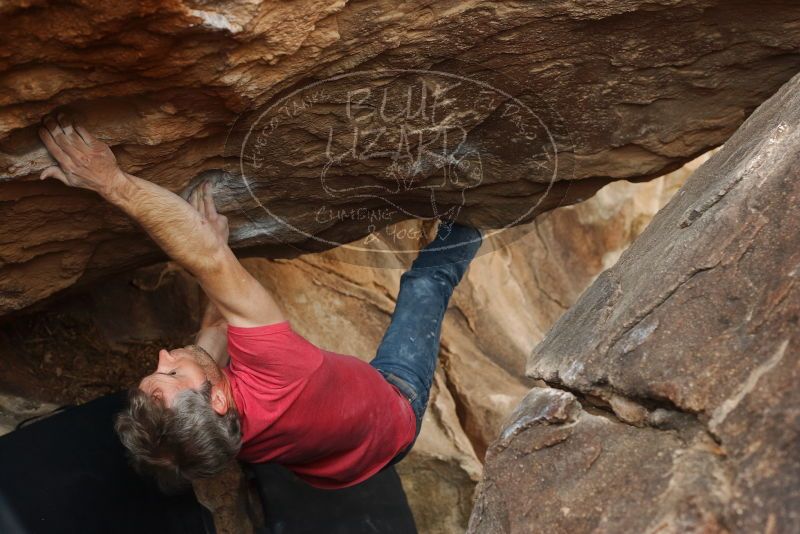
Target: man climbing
<point x="332" y="419"/>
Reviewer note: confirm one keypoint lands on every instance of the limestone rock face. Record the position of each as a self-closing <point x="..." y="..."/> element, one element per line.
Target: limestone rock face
<point x="486" y="112"/>
<point x="674" y="404"/>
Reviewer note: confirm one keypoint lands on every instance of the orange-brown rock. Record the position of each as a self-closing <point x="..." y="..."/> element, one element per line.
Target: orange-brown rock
<point x="563" y="94"/>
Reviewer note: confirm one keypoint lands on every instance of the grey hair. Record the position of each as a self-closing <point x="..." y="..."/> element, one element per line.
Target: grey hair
<point x="181" y="443"/>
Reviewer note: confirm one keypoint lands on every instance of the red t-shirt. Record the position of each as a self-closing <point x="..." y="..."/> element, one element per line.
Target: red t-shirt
<point x="331" y="419"/>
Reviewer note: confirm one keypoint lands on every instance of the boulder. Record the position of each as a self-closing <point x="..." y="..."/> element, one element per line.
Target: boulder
<point x="562" y="467"/>
<point x="691" y="337"/>
<point x="320" y="123"/>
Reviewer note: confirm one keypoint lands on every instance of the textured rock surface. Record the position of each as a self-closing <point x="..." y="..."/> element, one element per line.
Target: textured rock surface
<point x="164" y="82"/>
<point x="558" y="467"/>
<point x="691" y="337"/>
<point x="107" y="337"/>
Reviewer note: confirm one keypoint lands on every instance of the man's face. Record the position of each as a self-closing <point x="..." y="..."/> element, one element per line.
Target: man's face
<point x="178" y="370"/>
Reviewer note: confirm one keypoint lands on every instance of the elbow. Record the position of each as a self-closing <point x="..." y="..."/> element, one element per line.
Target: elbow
<point x="214" y="263"/>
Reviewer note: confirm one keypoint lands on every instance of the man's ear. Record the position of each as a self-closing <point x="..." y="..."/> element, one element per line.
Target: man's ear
<point x="219" y="402"/>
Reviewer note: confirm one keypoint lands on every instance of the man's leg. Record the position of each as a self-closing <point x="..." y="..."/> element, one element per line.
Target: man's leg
<point x="409" y="350"/>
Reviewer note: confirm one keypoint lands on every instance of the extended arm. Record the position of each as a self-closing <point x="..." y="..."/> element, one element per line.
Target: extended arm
<point x="186" y="234"/>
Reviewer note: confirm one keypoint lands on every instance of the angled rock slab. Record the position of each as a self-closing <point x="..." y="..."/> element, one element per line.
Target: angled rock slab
<point x="699" y="318"/>
<point x="560" y="468"/>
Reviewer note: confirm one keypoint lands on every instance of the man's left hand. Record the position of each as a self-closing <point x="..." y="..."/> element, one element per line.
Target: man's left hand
<point x="83" y="161"/>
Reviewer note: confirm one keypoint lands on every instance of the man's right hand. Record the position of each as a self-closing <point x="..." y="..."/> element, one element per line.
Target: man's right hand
<point x="83" y="161"/>
<point x="202" y="200"/>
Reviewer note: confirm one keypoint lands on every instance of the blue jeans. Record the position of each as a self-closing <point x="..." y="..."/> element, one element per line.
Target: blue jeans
<point x="409" y="350"/>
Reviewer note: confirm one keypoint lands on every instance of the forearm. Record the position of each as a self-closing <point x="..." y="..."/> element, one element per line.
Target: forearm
<point x="170" y="221"/>
<point x="212" y="316"/>
<point x="226" y="496"/>
<point x="214" y="340"/>
<point x="213" y="334"/>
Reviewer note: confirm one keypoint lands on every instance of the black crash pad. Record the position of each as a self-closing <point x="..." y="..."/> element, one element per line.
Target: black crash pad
<point x="377" y="505"/>
<point x="68" y="473"/>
